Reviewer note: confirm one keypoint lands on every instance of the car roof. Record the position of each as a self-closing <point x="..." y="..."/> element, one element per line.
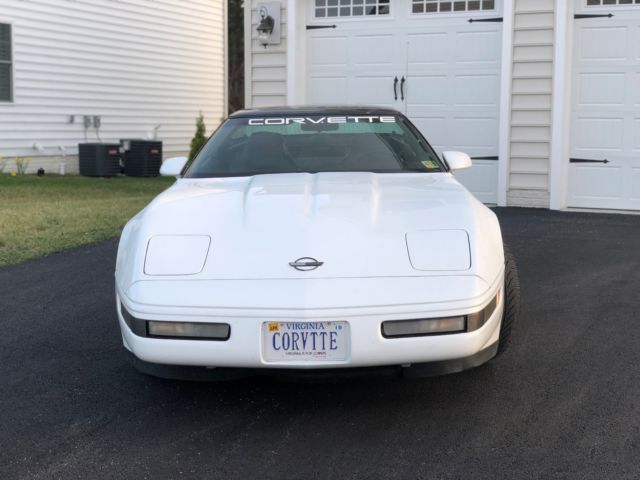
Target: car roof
<point x="312" y="111"/>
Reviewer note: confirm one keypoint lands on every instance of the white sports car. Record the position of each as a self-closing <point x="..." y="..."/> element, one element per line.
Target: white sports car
<point x="315" y="239"/>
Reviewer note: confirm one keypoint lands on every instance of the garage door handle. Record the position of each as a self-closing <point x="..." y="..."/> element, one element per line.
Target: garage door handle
<point x="395" y="88"/>
<point x="402" y="88"/>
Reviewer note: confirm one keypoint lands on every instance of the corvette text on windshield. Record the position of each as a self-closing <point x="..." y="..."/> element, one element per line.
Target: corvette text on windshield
<point x="320" y="120"/>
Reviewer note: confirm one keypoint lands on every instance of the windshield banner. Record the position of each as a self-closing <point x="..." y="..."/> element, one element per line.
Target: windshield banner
<point x="320" y="120"/>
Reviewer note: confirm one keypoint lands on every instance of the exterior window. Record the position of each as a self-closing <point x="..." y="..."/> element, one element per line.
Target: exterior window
<point x="5" y="63"/>
<point x="351" y="8"/>
<point x="246" y="146"/>
<point x="448" y="6"/>
<point x="599" y="3"/>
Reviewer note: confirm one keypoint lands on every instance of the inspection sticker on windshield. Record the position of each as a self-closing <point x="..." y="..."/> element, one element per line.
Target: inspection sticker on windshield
<point x="305" y="341"/>
<point x="430" y="164"/>
<point x="321" y="120"/>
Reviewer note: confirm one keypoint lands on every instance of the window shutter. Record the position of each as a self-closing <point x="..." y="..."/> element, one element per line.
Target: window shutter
<point x="5" y="42"/>
<point x="5" y="62"/>
<point x="5" y="82"/>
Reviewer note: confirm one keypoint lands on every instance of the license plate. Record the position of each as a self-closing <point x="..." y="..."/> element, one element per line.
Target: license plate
<point x="305" y="341"/>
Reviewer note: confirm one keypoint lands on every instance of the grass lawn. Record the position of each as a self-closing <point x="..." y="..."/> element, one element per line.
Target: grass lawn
<point x="42" y="215"/>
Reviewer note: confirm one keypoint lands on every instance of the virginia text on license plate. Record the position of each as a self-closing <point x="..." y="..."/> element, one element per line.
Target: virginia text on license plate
<point x="305" y="341"/>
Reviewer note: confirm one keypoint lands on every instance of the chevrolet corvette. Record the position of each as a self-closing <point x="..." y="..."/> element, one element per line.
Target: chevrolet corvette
<point x="315" y="239"/>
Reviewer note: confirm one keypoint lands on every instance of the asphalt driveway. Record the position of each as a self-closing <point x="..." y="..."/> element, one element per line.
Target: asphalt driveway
<point x="563" y="403"/>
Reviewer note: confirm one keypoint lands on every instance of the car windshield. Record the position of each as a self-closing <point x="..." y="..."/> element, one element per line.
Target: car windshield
<point x="284" y="144"/>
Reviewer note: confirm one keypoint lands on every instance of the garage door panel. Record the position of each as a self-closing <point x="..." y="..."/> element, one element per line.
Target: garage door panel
<point x="475" y="136"/>
<point x="328" y="51"/>
<point x="374" y="50"/>
<point x="635" y="184"/>
<point x="606" y="110"/>
<point x="361" y="86"/>
<point x="426" y="90"/>
<point x="465" y="58"/>
<point x="598" y="182"/>
<point x="428" y="49"/>
<point x="476" y="90"/>
<point x="479" y="48"/>
<point x="636" y="135"/>
<point x="599" y="134"/>
<point x="602" y="43"/>
<point x="601" y="89"/>
<point x="329" y="90"/>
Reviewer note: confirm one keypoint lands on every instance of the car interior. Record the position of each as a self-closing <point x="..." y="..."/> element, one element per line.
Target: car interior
<point x="320" y="151"/>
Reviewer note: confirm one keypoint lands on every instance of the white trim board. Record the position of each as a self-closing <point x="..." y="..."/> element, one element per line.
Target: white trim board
<point x="504" y="141"/>
<point x="296" y="52"/>
<point x="561" y="107"/>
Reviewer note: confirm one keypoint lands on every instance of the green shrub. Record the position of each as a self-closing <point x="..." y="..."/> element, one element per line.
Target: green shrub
<point x="200" y="138"/>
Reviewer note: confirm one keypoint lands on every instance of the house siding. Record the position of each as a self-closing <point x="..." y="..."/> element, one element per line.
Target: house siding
<point x="137" y="64"/>
<point x="531" y="103"/>
<point x="265" y="68"/>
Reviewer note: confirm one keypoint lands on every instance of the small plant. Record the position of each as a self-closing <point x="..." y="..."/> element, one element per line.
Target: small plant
<point x="3" y="164"/>
<point x="200" y="138"/>
<point x="22" y="163"/>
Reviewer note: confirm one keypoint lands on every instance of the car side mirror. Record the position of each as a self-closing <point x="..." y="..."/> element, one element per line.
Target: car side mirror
<point x="172" y="167"/>
<point x="457" y="160"/>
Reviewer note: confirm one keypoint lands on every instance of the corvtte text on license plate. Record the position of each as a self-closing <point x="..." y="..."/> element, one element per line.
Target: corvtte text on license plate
<point x="305" y="341"/>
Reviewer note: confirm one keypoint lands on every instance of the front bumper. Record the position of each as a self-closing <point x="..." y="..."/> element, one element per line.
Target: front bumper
<point x="415" y="370"/>
<point x="368" y="347"/>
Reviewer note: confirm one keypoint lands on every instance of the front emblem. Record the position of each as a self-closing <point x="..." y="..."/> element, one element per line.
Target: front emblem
<point x="306" y="264"/>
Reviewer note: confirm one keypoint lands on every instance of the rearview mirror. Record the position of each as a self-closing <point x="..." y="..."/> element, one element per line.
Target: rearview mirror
<point x="457" y="160"/>
<point x="172" y="167"/>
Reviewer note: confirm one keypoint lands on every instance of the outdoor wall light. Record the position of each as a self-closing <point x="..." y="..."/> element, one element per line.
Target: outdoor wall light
<point x="265" y="29"/>
<point x="269" y="27"/>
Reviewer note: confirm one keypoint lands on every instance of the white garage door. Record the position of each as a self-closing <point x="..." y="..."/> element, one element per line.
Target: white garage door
<point x="422" y="57"/>
<point x="605" y="137"/>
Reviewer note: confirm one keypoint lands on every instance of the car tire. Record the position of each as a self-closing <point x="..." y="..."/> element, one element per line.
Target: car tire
<point x="511" y="301"/>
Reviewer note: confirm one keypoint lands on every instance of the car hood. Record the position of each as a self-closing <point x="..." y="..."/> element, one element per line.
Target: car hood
<point x="355" y="223"/>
